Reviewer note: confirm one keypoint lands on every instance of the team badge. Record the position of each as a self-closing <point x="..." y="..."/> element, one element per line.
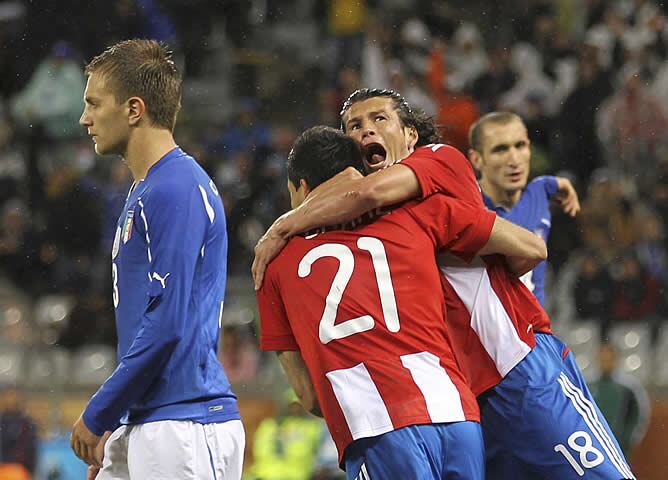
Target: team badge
<point x="127" y="226"/>
<point x="117" y="242"/>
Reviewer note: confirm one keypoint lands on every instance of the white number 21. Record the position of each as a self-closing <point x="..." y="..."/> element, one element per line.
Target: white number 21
<point x="328" y="331"/>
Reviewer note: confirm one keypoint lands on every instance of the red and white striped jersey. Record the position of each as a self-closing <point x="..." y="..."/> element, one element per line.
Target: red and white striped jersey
<point x="491" y="314"/>
<point x="364" y="308"/>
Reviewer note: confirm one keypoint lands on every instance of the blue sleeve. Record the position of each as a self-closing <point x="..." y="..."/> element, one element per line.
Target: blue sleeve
<point x="175" y="224"/>
<point x="547" y="183"/>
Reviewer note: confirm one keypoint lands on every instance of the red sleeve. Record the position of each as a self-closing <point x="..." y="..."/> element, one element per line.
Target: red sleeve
<point x="443" y="169"/>
<point x="275" y="330"/>
<point x="459" y="227"/>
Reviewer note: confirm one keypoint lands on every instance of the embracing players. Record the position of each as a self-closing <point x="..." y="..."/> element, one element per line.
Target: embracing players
<point x="538" y="416"/>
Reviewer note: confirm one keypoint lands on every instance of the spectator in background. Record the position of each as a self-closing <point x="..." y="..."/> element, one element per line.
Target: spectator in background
<point x="650" y="247"/>
<point x="622" y="399"/>
<point x="12" y="160"/>
<point x="456" y="111"/>
<point x="593" y="286"/>
<point x="286" y="447"/>
<point x="593" y="290"/>
<point x="239" y="354"/>
<point x="52" y="97"/>
<point x="631" y="125"/>
<point x="247" y="133"/>
<point x="18" y="244"/>
<point x="18" y="432"/>
<point x="636" y="292"/>
<point x="496" y="80"/>
<point x="344" y="22"/>
<point x="580" y="146"/>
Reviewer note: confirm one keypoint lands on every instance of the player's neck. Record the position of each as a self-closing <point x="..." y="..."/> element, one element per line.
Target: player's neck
<point x="505" y="198"/>
<point x="145" y="148"/>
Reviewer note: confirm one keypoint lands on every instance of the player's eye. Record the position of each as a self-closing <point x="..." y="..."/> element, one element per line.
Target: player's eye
<point x="380" y="117"/>
<point x="354" y="126"/>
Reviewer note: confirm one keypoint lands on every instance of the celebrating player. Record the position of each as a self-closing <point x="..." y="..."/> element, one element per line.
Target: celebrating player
<point x="538" y="417"/>
<point x="168" y="403"/>
<point x="500" y="151"/>
<point x="359" y="326"/>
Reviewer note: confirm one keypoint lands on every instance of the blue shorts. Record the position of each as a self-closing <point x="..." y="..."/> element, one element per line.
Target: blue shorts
<point x="542" y="422"/>
<point x="432" y="451"/>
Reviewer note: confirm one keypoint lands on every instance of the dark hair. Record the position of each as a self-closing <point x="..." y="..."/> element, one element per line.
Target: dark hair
<point x="423" y="123"/>
<point x="477" y="130"/>
<point x="145" y="69"/>
<point x="320" y="153"/>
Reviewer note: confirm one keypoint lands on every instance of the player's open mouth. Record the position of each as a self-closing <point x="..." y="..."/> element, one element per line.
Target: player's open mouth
<point x="374" y="153"/>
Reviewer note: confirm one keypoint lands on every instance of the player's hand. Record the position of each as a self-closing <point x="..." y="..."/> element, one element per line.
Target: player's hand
<point x="92" y="472"/>
<point x="567" y="197"/>
<point x="269" y="245"/>
<point x="84" y="443"/>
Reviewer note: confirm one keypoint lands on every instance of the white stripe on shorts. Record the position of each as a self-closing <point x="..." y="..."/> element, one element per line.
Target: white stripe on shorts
<point x="364" y="472"/>
<point x="588" y="413"/>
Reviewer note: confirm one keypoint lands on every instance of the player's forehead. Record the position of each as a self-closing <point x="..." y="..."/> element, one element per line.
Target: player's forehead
<point x="367" y="107"/>
<point x="504" y="133"/>
<point x="97" y="87"/>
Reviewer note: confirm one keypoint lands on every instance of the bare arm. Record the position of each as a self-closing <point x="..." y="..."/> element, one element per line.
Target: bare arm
<point x="298" y="376"/>
<point x="523" y="249"/>
<point x="340" y="199"/>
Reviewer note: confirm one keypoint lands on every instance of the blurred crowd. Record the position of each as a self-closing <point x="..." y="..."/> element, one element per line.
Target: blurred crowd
<point x="589" y="78"/>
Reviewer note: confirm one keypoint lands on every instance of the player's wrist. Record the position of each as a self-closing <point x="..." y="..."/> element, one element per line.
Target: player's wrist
<point x="284" y="226"/>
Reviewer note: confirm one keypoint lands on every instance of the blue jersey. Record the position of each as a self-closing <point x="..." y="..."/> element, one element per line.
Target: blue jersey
<point x="169" y="266"/>
<point x="532" y="212"/>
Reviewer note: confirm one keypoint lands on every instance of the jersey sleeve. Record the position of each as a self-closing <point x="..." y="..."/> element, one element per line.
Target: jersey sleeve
<point x="174" y="224"/>
<point x="275" y="330"/>
<point x="546" y="183"/>
<point x="443" y="169"/>
<point x="459" y="227"/>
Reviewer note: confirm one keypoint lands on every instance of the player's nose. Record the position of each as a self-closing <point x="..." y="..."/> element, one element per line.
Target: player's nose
<point x="513" y="157"/>
<point x="84" y="119"/>
<point x="367" y="130"/>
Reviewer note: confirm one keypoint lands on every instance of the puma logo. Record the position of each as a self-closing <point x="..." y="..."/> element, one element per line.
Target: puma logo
<point x="160" y="279"/>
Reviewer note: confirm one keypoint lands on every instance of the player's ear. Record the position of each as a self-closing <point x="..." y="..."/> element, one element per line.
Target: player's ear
<point x="412" y="138"/>
<point x="475" y="158"/>
<point x="136" y="110"/>
<point x="304" y="186"/>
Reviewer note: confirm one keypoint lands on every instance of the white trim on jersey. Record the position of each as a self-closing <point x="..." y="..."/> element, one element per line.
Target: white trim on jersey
<point x="444" y="403"/>
<point x="588" y="412"/>
<point x="148" y="240"/>
<point x="489" y="318"/>
<point x="361" y="403"/>
<point x="209" y="210"/>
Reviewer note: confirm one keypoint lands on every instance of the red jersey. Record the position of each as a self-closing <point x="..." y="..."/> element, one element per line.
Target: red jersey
<point x="368" y="318"/>
<point x="492" y="315"/>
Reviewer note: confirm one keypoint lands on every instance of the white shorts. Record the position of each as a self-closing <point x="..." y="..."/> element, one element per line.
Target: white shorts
<point x="175" y="449"/>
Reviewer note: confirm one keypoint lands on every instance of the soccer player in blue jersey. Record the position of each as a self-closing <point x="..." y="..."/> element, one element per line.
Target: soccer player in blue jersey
<point x="168" y="403"/>
<point x="501" y="152"/>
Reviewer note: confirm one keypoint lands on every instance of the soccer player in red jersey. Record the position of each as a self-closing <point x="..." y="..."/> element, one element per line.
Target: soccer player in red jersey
<point x="360" y="327"/>
<point x="538" y="416"/>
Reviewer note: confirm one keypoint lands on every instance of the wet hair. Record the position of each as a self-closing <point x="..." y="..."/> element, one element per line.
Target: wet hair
<point x="423" y="123"/>
<point x="477" y="130"/>
<point x="321" y="152"/>
<point x="144" y="69"/>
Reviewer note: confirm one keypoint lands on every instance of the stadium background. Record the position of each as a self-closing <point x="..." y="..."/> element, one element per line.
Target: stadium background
<point x="590" y="78"/>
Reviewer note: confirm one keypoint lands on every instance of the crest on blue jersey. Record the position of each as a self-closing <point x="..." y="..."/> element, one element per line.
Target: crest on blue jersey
<point x="127" y="226"/>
